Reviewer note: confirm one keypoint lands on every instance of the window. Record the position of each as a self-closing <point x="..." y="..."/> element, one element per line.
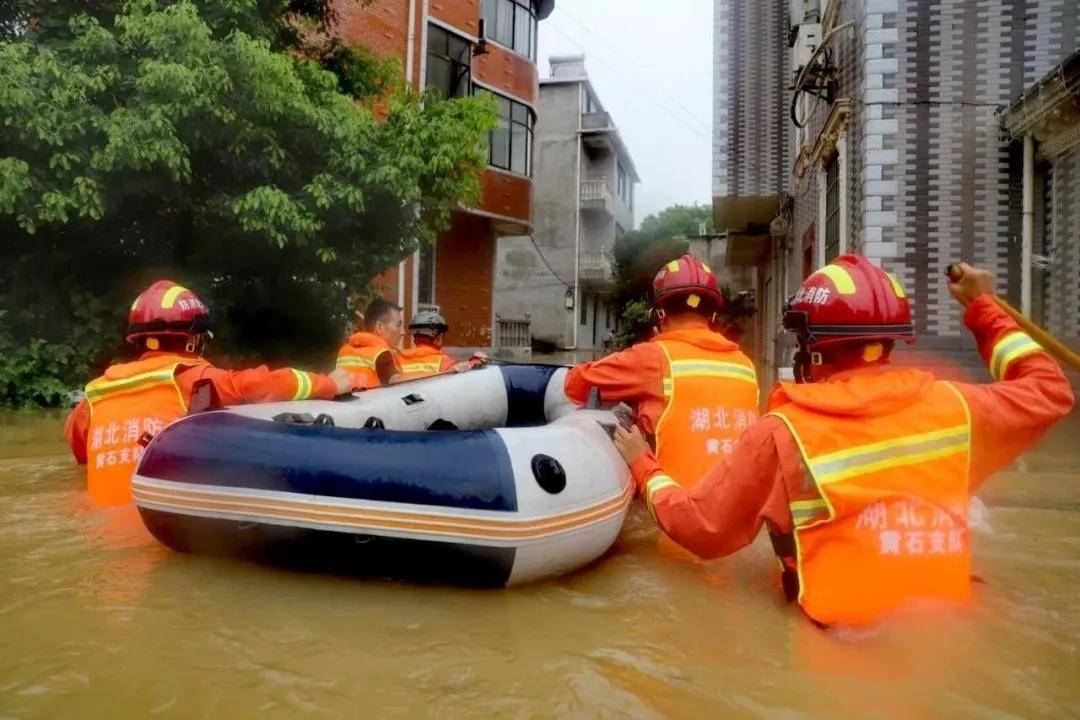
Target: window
<point x="512" y="24"/>
<point x="584" y="309"/>
<point x="512" y="139"/>
<point x="623" y="184"/>
<point x="425" y="282"/>
<point x="449" y="63"/>
<point x="832" y="209"/>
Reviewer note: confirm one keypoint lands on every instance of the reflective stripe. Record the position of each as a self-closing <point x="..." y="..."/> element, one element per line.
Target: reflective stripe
<point x="892" y="453"/>
<point x="840" y="278"/>
<point x="355" y="361"/>
<point x="418" y="367"/>
<point x="712" y="368"/>
<point x="657" y="483"/>
<point x="303" y="385"/>
<point x="169" y="298"/>
<point x="896" y="286"/>
<point x="804" y="510"/>
<point x="1011" y="347"/>
<point x="100" y="388"/>
<point x="669" y="386"/>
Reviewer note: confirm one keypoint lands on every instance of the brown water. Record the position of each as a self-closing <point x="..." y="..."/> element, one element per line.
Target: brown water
<point x="97" y="620"/>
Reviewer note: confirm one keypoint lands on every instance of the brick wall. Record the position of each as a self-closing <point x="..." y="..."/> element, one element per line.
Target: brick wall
<point x="464" y="273"/>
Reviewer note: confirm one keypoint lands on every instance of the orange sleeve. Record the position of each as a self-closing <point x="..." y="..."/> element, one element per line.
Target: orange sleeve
<point x="446" y="363"/>
<point x="76" y="430"/>
<point x="1030" y="395"/>
<point x="725" y="510"/>
<point x="260" y="384"/>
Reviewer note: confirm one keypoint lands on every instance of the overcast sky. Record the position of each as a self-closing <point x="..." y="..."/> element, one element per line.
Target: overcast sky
<point x="651" y="65"/>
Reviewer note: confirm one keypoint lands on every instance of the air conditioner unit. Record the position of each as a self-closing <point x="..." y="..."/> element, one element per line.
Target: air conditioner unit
<point x="803" y="11"/>
<point x="806" y="42"/>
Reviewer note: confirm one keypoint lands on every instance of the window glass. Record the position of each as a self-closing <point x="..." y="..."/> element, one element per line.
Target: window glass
<point x="519" y="147"/>
<point x="425" y="287"/>
<point x="511" y="142"/>
<point x="449" y="63"/>
<point x="522" y="31"/>
<point x="511" y="23"/>
<point x="504" y="25"/>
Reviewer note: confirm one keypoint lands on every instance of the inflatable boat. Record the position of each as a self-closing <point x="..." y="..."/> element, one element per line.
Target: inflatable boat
<point x="490" y="477"/>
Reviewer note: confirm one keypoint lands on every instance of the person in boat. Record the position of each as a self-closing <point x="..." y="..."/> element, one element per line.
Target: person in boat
<point x="426" y="356"/>
<point x="693" y="390"/>
<point x="862" y="470"/>
<point x="371" y="356"/>
<point x="168" y="326"/>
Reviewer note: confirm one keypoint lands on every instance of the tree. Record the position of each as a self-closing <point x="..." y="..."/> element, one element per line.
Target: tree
<point x="638" y="256"/>
<point x="679" y="220"/>
<point x="215" y="145"/>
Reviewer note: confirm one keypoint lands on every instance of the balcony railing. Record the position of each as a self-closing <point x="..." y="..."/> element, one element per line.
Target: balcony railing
<point x="513" y="333"/>
<point x="596" y="195"/>
<point x="596" y="268"/>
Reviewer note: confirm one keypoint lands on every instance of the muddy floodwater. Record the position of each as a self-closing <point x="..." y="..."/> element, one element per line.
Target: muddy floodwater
<point x="97" y="620"/>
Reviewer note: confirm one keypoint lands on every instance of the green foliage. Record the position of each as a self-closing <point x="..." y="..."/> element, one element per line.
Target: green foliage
<point x="635" y="323"/>
<point x="208" y="143"/>
<point x="679" y="220"/>
<point x="640" y="254"/>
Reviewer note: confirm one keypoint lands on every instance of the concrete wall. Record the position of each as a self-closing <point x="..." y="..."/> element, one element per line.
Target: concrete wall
<point x="524" y="283"/>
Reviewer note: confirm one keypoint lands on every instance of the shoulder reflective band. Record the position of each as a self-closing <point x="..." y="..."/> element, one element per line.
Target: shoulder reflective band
<point x="355" y="361"/>
<point x="303" y="385"/>
<point x="712" y="368"/>
<point x="909" y="450"/>
<point x="1011" y="347"/>
<point x="100" y="388"/>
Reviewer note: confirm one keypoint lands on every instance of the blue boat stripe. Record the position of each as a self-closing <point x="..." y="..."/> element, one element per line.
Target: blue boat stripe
<point x="466" y="469"/>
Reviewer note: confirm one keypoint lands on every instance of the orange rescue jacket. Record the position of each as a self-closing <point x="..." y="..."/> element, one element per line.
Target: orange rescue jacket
<point x="360" y="357"/>
<point x="128" y="400"/>
<point x="711" y="396"/>
<point x="888" y="523"/>
<point x="423" y="361"/>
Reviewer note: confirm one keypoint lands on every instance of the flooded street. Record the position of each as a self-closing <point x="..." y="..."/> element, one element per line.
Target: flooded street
<point x="98" y="620"/>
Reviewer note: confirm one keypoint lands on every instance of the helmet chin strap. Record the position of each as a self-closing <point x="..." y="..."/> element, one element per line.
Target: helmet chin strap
<point x="803" y="362"/>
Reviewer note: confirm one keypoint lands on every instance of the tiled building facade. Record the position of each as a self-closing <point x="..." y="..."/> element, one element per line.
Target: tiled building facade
<point x="903" y="156"/>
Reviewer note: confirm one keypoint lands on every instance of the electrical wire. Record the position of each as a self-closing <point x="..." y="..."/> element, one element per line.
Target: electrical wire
<point x="645" y="92"/>
<point x="563" y="12"/>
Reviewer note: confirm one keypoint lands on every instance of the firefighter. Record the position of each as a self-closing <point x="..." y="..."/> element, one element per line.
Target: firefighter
<point x="168" y="326"/>
<point x="371" y="356"/>
<point x="863" y="471"/>
<point x="426" y="357"/>
<point x="693" y="390"/>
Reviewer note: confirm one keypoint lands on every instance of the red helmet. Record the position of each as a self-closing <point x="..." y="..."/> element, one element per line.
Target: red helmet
<point x="849" y="299"/>
<point x="687" y="277"/>
<point x="166" y="308"/>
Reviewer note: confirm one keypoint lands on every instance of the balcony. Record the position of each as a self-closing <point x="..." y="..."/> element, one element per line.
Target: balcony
<point x="595" y="121"/>
<point x="596" y="196"/>
<point x="596" y="269"/>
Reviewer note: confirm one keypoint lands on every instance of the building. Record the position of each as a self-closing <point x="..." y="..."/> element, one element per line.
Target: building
<point x="902" y="140"/>
<point x="562" y="277"/>
<point x="464" y="47"/>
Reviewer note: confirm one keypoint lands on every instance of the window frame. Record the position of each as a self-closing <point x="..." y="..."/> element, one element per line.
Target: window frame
<point x="431" y="248"/>
<point x="492" y="10"/>
<point x="516" y="109"/>
<point x="443" y="55"/>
